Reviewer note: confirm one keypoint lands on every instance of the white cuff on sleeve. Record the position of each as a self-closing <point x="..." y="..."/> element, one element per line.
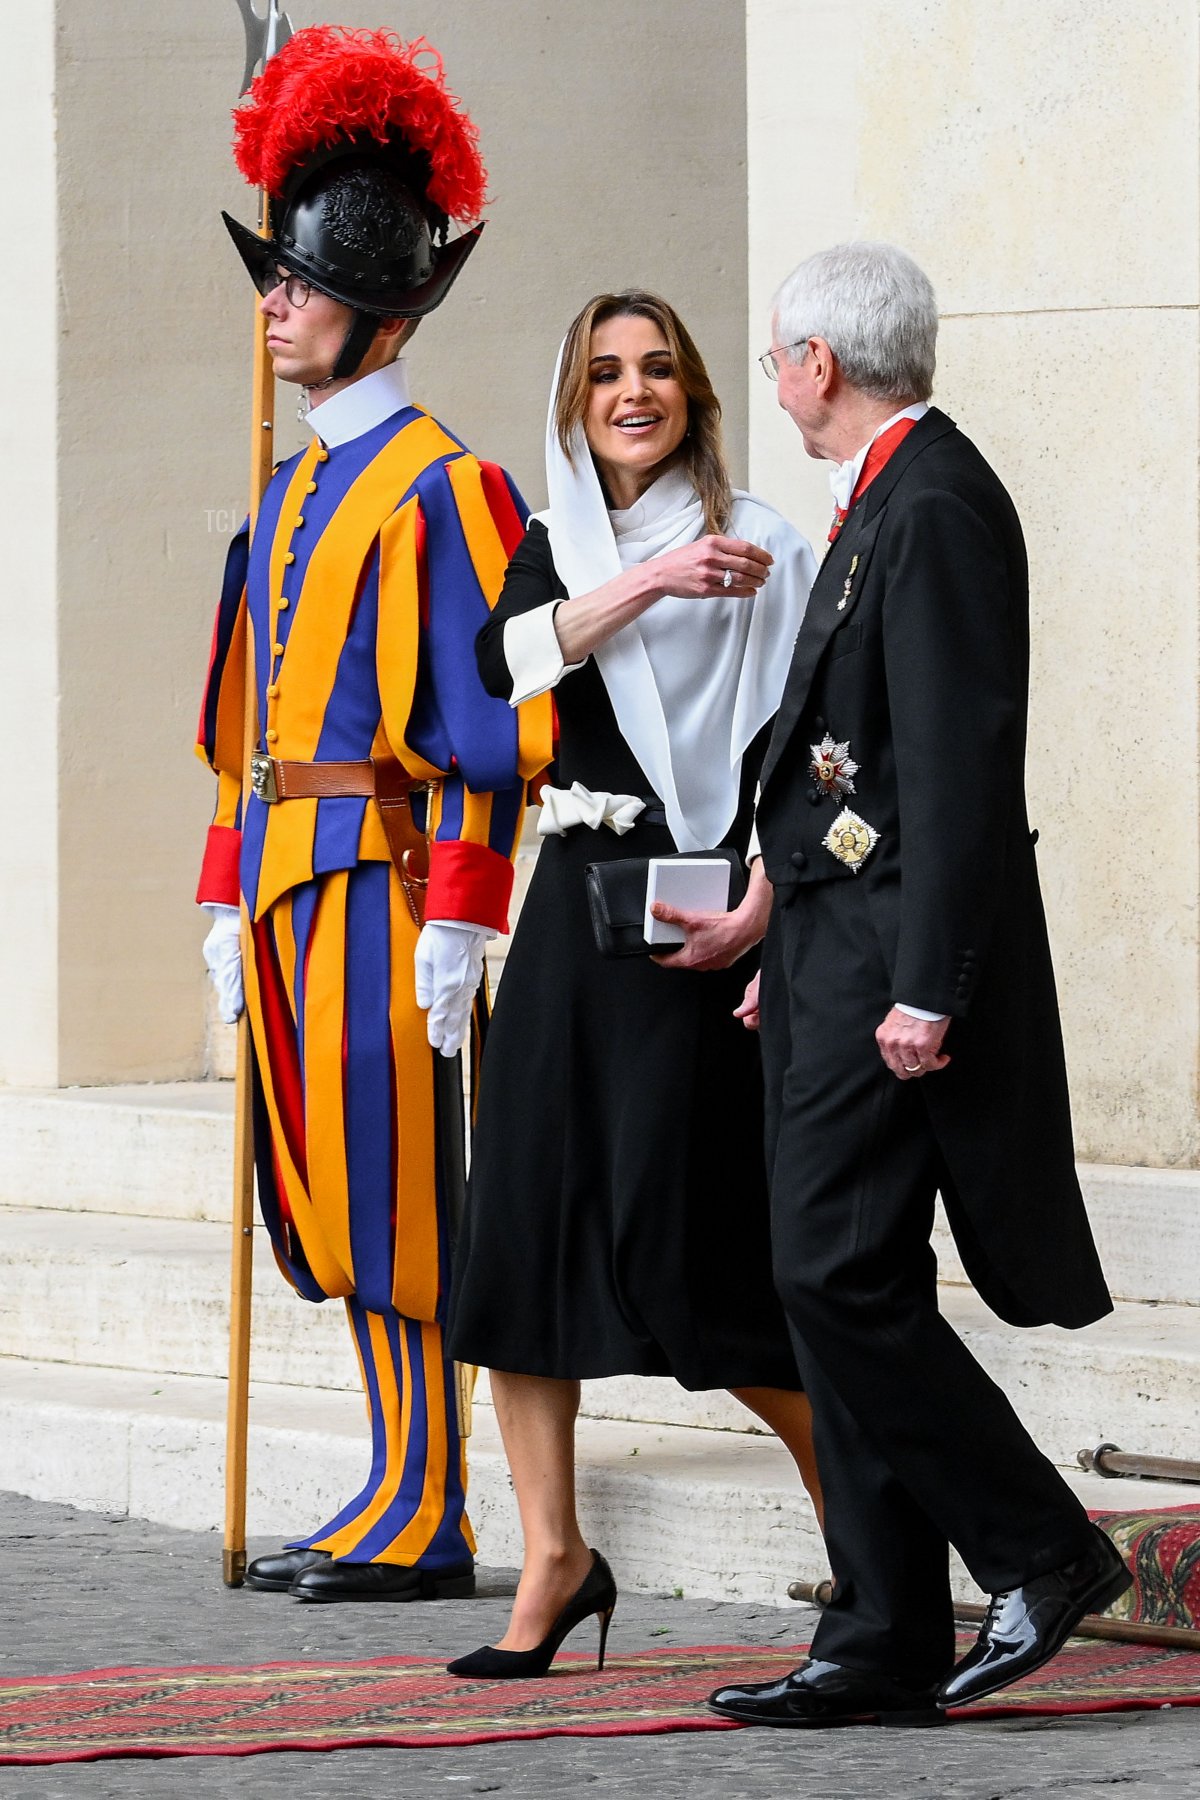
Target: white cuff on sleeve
<point x="919" y="1012"/>
<point x="534" y="654"/>
<point x="486" y="931"/>
<point x="754" y="848"/>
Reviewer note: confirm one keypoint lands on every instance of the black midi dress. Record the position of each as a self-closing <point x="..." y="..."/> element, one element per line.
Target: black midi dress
<point x="616" y="1219"/>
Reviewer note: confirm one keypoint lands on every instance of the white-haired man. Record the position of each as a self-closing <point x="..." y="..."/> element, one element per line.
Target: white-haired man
<point x="910" y="1030"/>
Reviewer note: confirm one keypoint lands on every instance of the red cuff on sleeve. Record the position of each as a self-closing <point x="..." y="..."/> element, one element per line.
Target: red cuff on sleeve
<point x="469" y="882"/>
<point x="219" y="882"/>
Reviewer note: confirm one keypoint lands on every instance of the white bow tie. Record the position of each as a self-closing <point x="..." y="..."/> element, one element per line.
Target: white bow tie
<point x="841" y="482"/>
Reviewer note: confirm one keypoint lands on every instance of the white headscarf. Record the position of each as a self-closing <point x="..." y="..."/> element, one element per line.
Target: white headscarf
<point x="691" y="681"/>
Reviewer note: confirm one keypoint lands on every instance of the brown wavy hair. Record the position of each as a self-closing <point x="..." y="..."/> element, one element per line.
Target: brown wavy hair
<point x="701" y="451"/>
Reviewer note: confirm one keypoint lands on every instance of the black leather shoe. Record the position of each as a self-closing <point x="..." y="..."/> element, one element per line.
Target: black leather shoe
<point x="276" y="1574"/>
<point x="824" y="1693"/>
<point x="1025" y="1628"/>
<point x="383" y="1581"/>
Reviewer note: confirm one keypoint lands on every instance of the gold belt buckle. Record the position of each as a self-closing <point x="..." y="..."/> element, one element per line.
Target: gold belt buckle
<point x="262" y="777"/>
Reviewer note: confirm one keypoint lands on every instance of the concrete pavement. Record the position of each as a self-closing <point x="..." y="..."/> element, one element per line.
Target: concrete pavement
<point x="78" y="1590"/>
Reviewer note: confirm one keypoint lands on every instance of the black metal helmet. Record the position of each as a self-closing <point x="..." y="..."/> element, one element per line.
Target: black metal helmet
<point x="362" y="189"/>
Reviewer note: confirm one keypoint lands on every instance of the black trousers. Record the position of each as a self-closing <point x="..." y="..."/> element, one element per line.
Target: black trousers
<point x="918" y="1448"/>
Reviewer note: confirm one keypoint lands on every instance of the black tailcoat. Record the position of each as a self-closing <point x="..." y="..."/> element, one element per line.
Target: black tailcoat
<point x="915" y="650"/>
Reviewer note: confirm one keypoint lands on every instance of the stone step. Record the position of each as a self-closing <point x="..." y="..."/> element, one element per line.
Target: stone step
<point x="163" y="1151"/>
<point x="151" y="1295"/>
<point x="1132" y="1379"/>
<point x="156" y="1150"/>
<point x="1144" y="1221"/>
<point x="717" y="1516"/>
<point x="713" y="1514"/>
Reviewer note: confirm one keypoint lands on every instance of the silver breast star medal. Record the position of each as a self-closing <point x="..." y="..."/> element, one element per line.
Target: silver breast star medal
<point x="832" y="768"/>
<point x="841" y="605"/>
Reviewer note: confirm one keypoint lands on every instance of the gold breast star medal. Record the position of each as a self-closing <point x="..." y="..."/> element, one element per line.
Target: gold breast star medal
<point x="850" y="839"/>
<point x="832" y="768"/>
<point x="848" y="584"/>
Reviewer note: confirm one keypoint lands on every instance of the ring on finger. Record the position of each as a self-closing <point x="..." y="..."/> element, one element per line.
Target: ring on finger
<point x="916" y="1069"/>
<point x="727" y="578"/>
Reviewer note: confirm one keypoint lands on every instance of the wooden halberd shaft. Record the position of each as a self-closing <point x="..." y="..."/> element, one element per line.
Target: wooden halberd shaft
<point x="237" y="1417"/>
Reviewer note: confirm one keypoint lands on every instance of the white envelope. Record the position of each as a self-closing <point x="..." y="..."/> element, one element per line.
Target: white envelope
<point x="694" y="884"/>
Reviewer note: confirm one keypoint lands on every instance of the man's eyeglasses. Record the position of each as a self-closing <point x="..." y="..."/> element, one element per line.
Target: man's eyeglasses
<point x="294" y="286"/>
<point x="770" y="367"/>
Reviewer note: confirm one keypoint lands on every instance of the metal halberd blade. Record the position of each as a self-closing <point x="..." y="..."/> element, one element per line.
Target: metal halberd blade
<point x="265" y="34"/>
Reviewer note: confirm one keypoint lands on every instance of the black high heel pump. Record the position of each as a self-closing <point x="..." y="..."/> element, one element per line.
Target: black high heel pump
<point x="596" y="1593"/>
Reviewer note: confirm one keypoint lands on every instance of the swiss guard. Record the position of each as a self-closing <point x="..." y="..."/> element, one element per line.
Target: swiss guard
<point x="371" y="838"/>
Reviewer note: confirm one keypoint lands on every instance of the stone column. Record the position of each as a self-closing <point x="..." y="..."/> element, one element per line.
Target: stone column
<point x="126" y="355"/>
<point x="28" y="529"/>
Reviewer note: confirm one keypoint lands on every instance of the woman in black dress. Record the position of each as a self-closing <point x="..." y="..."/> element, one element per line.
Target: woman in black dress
<point x="617" y="1214"/>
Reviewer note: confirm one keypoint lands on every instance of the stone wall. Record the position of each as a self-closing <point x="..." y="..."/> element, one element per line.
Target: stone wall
<point x="123" y="455"/>
<point x="1040" y="160"/>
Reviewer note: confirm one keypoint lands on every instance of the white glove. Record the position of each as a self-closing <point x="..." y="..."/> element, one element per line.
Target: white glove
<point x="448" y="967"/>
<point x="223" y="955"/>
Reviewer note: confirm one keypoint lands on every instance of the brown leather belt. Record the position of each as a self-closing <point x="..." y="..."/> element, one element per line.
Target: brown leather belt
<point x="381" y="779"/>
<point x="273" y="779"/>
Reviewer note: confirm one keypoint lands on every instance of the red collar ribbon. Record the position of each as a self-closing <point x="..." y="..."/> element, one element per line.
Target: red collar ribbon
<point x="883" y="448"/>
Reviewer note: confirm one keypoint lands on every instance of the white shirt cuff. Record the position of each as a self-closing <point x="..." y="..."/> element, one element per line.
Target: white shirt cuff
<point x="486" y="931"/>
<point x="919" y="1012"/>
<point x="534" y="654"/>
<point x="754" y="848"/>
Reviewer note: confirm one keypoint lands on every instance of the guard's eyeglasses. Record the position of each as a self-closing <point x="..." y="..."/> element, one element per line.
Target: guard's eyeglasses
<point x="770" y="367"/>
<point x="294" y="286"/>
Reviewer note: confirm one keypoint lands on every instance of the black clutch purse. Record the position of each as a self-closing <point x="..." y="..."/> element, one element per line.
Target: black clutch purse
<point x="616" y="895"/>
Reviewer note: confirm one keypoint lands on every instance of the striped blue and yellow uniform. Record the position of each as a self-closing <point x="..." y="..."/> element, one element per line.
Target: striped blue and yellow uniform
<point x="352" y="610"/>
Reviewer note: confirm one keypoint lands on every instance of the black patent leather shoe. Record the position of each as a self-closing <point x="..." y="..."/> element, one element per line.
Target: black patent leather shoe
<point x="824" y="1693"/>
<point x="275" y="1574"/>
<point x="383" y="1581"/>
<point x="1024" y="1628"/>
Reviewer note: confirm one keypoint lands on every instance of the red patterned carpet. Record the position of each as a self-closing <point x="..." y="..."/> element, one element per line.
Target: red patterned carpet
<point x="1162" y="1548"/>
<point x="405" y="1701"/>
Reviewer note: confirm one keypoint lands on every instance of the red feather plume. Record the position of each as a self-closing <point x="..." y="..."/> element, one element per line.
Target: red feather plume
<point x="329" y="82"/>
